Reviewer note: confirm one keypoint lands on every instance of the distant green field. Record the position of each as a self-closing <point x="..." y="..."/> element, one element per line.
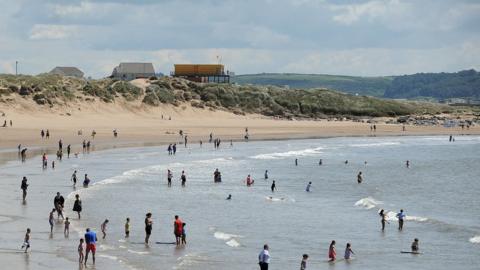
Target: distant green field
<point x="369" y="86"/>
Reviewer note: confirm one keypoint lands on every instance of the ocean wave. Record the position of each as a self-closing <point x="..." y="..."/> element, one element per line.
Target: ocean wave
<point x="225" y="236"/>
<point x="138" y="252"/>
<point x="233" y="243"/>
<point x="273" y="199"/>
<point x="214" y="160"/>
<point x="392" y="216"/>
<point x="374" y="144"/>
<point x="297" y="153"/>
<point x="475" y="239"/>
<point x="368" y="203"/>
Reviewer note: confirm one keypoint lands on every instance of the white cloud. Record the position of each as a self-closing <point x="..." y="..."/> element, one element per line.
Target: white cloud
<point x="351" y="13"/>
<point x="52" y="31"/>
<point x="73" y="10"/>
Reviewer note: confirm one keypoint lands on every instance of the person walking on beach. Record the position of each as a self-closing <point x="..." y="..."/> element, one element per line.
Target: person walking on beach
<point x="359" y="178"/>
<point x="69" y="148"/>
<point x="26" y="241"/>
<point x="42" y="133"/>
<point x="309" y="186"/>
<point x="186" y="140"/>
<point x="148" y="227"/>
<point x="66" y="230"/>
<point x="183" y="178"/>
<point x="401" y="216"/>
<point x="24" y="187"/>
<point x="178" y="229"/>
<point x="273" y="187"/>
<point x="51" y="220"/>
<point x="332" y="254"/>
<point x="348" y="252"/>
<point x="264" y="258"/>
<point x="127" y="228"/>
<point x="383" y="218"/>
<point x="415" y="246"/>
<point x="169" y="178"/>
<point x="47" y="134"/>
<point x="174" y="148"/>
<point x="303" y="264"/>
<point x="77" y="205"/>
<point x="80" y="251"/>
<point x="169" y="149"/>
<point x="60" y="144"/>
<point x="59" y="202"/>
<point x="90" y="239"/>
<point x="103" y="227"/>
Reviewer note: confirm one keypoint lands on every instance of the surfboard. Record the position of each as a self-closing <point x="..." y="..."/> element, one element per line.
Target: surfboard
<point x="410" y="252"/>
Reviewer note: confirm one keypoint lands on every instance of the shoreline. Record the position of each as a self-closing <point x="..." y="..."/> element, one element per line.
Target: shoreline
<point x="8" y="154"/>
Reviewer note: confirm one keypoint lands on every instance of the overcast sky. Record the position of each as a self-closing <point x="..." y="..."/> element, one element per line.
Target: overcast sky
<point x="367" y="38"/>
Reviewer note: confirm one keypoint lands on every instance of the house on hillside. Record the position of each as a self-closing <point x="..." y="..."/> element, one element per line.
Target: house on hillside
<point x="132" y="71"/>
<point x="67" y="71"/>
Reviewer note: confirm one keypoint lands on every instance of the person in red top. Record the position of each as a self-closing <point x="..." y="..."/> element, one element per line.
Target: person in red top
<point x="178" y="229"/>
<point x="332" y="254"/>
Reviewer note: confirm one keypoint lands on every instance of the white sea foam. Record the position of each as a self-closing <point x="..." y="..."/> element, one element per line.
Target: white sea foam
<point x="297" y="153"/>
<point x="106" y="247"/>
<point x="367" y="203"/>
<point x="273" y="199"/>
<point x="475" y="239"/>
<point x="214" y="160"/>
<point x="225" y="236"/>
<point x="138" y="252"/>
<point x="392" y="216"/>
<point x="233" y="243"/>
<point x="114" y="258"/>
<point x="374" y="144"/>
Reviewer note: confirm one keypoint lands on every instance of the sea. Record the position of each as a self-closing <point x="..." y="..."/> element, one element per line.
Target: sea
<point x="439" y="193"/>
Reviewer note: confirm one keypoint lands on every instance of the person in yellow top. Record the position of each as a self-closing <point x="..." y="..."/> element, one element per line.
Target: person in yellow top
<point x="127" y="228"/>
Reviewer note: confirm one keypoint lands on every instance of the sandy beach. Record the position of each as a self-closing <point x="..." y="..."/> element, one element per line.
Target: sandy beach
<point x="139" y="124"/>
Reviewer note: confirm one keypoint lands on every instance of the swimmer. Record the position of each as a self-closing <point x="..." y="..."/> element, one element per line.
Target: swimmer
<point x="273" y="187"/>
<point x="229" y="197"/>
<point x="415" y="246"/>
<point x="266" y="175"/>
<point x="348" y="252"/>
<point x="320" y="162"/>
<point x="359" y="178"/>
<point x="308" y="187"/>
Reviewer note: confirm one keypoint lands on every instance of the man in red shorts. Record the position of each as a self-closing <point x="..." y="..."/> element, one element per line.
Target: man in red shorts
<point x="178" y="229"/>
<point x="90" y="239"/>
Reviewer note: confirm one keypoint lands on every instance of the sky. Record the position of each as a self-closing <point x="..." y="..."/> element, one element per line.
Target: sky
<point x="362" y="38"/>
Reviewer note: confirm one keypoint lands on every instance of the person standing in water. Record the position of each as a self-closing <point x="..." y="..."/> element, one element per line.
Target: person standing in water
<point x="348" y="252"/>
<point x="320" y="162"/>
<point x="127" y="228"/>
<point x="309" y="186"/>
<point x="264" y="258"/>
<point x="273" y="187"/>
<point x="148" y="227"/>
<point x="183" y="178"/>
<point x="51" y="220"/>
<point x="90" y="239"/>
<point x="303" y="264"/>
<point x="74" y="178"/>
<point x="296" y="162"/>
<point x="44" y="161"/>
<point x="77" y="205"/>
<point x="26" y="241"/>
<point x="359" y="178"/>
<point x="332" y="254"/>
<point x="266" y="175"/>
<point x="103" y="227"/>
<point x="24" y="187"/>
<point x="383" y="218"/>
<point x="58" y="203"/>
<point x="66" y="230"/>
<point x="80" y="251"/>
<point x="186" y="140"/>
<point x="169" y="178"/>
<point x="401" y="216"/>
<point x="415" y="246"/>
<point x="86" y="181"/>
<point x="407" y="164"/>
<point x="69" y="148"/>
<point x="178" y="230"/>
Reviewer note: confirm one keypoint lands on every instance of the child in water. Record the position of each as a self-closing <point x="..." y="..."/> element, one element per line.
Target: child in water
<point x="26" y="241"/>
<point x="332" y="254"/>
<point x="80" y="251"/>
<point x="66" y="231"/>
<point x="51" y="220"/>
<point x="303" y="264"/>
<point x="348" y="252"/>
<point x="184" y="235"/>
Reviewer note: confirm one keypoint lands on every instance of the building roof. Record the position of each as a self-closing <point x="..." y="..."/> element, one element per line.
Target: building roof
<point x="67" y="71"/>
<point x="145" y="68"/>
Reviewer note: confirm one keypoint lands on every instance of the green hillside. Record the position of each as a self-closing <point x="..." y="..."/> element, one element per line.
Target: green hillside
<point x="371" y="86"/>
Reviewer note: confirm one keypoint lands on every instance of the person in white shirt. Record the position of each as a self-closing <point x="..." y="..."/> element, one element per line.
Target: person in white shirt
<point x="264" y="258"/>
